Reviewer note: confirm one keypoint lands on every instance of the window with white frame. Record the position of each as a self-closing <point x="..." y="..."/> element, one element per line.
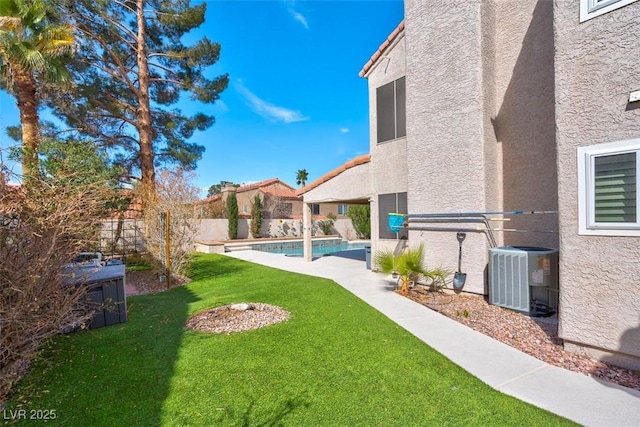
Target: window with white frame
<point x="245" y="208"/>
<point x="315" y="209"/>
<point x="342" y="210"/>
<point x="391" y="111"/>
<point x="608" y="188"/>
<point x="592" y="8"/>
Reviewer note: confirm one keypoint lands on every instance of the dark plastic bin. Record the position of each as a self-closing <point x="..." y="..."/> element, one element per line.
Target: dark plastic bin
<point x="106" y="289"/>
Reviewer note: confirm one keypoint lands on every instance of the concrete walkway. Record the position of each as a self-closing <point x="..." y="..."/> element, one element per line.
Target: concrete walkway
<point x="577" y="397"/>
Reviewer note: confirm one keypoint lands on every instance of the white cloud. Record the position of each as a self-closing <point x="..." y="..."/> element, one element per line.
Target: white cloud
<point x="344" y="130"/>
<point x="300" y="18"/>
<point x="268" y="110"/>
<point x="220" y="107"/>
<point x="295" y="14"/>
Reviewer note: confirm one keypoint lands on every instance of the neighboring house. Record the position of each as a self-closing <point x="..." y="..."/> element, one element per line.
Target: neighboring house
<point x="279" y="201"/>
<point x="501" y="106"/>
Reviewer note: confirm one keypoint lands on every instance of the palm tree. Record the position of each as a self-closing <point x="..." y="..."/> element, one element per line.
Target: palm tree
<point x="301" y="177"/>
<point x="409" y="267"/>
<point x="31" y="49"/>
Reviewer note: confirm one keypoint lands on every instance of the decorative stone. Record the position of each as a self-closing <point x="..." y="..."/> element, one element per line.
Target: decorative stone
<point x="241" y="307"/>
<point x="225" y="320"/>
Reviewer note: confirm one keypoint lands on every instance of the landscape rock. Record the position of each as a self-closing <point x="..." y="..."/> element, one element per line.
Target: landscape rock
<point x="226" y="320"/>
<point x="537" y="337"/>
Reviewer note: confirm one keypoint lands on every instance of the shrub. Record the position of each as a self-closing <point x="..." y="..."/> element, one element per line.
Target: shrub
<point x="256" y="216"/>
<point x="326" y="225"/>
<point x="360" y="216"/>
<point x="409" y="266"/>
<point x="41" y="229"/>
<point x="232" y="214"/>
<point x="175" y="193"/>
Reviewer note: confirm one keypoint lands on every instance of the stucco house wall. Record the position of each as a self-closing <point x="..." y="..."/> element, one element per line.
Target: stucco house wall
<point x="596" y="69"/>
<point x="389" y="158"/>
<point x="273" y="193"/>
<point x="245" y="197"/>
<point x="522" y="119"/>
<point x="480" y="123"/>
<point x="210" y="230"/>
<point x="445" y="134"/>
<point x="352" y="184"/>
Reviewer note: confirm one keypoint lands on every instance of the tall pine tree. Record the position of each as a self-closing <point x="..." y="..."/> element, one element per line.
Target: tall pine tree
<point x="131" y="66"/>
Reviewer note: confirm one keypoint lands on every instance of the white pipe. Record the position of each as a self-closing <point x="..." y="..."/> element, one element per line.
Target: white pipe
<point x="456" y="214"/>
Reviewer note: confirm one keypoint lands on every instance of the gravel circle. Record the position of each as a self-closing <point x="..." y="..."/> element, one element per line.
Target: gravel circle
<point x="537" y="337"/>
<point x="229" y="318"/>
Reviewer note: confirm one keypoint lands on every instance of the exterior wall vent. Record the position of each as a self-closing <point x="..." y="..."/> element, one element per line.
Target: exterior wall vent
<point x="524" y="278"/>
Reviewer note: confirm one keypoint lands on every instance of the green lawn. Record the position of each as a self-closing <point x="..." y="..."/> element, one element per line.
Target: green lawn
<point x="336" y="362"/>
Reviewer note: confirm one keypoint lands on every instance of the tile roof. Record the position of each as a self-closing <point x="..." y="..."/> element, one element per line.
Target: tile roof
<point x="134" y="209"/>
<point x="209" y="199"/>
<point x="261" y="184"/>
<point x="288" y="192"/>
<point x="365" y="69"/>
<point x="282" y="193"/>
<point x="337" y="171"/>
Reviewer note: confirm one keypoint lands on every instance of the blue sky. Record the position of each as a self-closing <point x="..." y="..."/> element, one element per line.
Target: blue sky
<point x="295" y="100"/>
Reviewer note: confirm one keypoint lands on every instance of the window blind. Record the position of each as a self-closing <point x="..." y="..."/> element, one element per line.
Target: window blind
<point x="615" y="188"/>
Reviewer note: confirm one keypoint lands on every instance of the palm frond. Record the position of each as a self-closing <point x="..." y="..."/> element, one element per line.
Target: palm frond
<point x="10" y="23"/>
<point x="55" y="41"/>
<point x="385" y="261"/>
<point x="9" y="8"/>
<point x="56" y="72"/>
<point x="410" y="266"/>
<point x="31" y="59"/>
<point x="33" y="14"/>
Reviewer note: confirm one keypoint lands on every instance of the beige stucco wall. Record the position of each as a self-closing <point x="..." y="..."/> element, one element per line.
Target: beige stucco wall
<point x="388" y="159"/>
<point x="596" y="69"/>
<point x="351" y="184"/>
<point x="523" y="122"/>
<point x="217" y="229"/>
<point x="272" y="203"/>
<point x="445" y="102"/>
<point x="344" y="228"/>
<point x="245" y="199"/>
<point x="480" y="129"/>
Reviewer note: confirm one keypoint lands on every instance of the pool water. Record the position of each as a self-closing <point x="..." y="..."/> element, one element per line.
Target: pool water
<point x="317" y="250"/>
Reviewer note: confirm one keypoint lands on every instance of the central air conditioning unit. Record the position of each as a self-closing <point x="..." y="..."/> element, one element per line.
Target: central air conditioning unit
<point x="524" y="278"/>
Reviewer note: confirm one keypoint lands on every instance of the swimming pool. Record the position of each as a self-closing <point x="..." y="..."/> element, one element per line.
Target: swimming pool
<point x="319" y="248"/>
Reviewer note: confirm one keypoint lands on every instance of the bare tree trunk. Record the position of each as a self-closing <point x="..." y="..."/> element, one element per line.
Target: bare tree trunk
<point x="28" y="106"/>
<point x="118" y="234"/>
<point x="145" y="129"/>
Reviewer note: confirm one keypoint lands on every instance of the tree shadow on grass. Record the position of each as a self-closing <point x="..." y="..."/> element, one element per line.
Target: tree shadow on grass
<point x="115" y="375"/>
<point x="210" y="266"/>
<point x="255" y="415"/>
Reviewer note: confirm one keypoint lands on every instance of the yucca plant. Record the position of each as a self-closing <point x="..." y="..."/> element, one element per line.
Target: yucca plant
<point x="409" y="267"/>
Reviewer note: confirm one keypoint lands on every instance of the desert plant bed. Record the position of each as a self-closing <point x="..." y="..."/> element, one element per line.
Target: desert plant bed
<point x="535" y="336"/>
